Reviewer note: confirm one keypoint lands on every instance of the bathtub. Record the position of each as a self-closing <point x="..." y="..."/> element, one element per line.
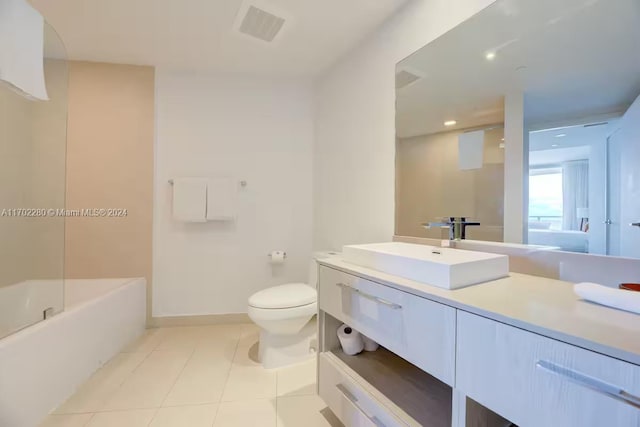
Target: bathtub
<point x="43" y="364"/>
<point x="23" y="304"/>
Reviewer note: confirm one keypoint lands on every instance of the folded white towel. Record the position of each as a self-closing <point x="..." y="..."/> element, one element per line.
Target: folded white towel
<point x="611" y="297"/>
<point x="190" y="199"/>
<point x="221" y="199"/>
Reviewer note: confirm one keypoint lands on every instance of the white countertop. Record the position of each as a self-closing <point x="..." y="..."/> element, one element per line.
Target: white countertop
<point x="544" y="306"/>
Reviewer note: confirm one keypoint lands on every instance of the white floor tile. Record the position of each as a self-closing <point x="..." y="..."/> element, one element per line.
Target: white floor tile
<point x="247" y="356"/>
<point x="146" y="343"/>
<point x="180" y="338"/>
<point x="250" y="335"/>
<point x="252" y="413"/>
<point x="201" y="381"/>
<point x="298" y="379"/>
<point x="296" y="411"/>
<point x="191" y="376"/>
<point x="185" y="416"/>
<point x="78" y="420"/>
<point x="148" y="385"/>
<point x="216" y="350"/>
<point x="232" y="331"/>
<point x="93" y="394"/>
<point x="136" y="418"/>
<point x="249" y="383"/>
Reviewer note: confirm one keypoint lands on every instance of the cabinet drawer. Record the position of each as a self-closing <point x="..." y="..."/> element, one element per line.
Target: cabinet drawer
<point x="351" y="403"/>
<point x="536" y="381"/>
<point x="417" y="329"/>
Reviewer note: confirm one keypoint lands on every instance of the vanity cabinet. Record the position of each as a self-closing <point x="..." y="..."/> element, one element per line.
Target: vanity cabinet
<point x="536" y="381"/>
<point x="408" y="380"/>
<point x="421" y="331"/>
<point x="442" y="365"/>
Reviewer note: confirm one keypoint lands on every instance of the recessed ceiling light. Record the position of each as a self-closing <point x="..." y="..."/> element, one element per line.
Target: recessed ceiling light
<point x="554" y="145"/>
<point x="450" y="123"/>
<point x="490" y="56"/>
<point x="502" y="139"/>
<point x="561" y="135"/>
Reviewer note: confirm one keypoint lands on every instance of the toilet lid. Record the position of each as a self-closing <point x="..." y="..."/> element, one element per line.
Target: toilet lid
<point x="284" y="296"/>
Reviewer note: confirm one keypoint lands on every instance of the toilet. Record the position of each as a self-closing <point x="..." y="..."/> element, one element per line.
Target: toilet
<point x="284" y="313"/>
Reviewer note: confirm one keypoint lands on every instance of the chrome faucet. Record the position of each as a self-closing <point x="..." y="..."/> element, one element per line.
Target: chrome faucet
<point x="457" y="226"/>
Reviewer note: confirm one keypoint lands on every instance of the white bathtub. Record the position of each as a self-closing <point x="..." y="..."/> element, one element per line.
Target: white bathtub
<point x="42" y="365"/>
<point x="23" y="304"/>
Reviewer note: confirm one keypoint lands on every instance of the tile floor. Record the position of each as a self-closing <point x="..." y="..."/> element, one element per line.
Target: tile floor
<point x="199" y="376"/>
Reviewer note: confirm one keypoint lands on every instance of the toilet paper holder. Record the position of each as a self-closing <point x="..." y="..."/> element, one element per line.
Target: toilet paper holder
<point x="284" y="255"/>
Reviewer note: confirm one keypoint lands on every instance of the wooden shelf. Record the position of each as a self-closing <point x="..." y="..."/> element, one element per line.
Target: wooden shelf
<point x="423" y="397"/>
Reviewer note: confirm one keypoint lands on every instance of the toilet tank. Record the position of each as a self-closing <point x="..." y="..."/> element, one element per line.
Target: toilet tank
<point x="313" y="266"/>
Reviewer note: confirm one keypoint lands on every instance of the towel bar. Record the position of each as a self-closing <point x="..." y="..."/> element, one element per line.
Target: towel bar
<point x="242" y="183"/>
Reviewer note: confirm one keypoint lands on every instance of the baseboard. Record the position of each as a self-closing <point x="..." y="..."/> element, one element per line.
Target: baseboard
<point x="199" y="320"/>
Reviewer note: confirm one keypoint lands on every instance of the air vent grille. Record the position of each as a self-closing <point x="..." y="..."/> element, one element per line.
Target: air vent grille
<point x="261" y="24"/>
<point x="404" y="78"/>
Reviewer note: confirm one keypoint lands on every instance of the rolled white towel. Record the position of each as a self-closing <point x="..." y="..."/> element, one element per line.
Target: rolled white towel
<point x="615" y="298"/>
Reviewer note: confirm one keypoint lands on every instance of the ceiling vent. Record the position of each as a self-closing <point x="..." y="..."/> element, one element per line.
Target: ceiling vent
<point x="261" y="24"/>
<point x="405" y="77"/>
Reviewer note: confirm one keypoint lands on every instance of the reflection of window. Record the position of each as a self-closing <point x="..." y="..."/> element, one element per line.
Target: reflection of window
<point x="545" y="198"/>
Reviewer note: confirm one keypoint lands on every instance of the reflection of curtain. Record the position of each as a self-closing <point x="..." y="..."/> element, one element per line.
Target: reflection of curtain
<point x="575" y="192"/>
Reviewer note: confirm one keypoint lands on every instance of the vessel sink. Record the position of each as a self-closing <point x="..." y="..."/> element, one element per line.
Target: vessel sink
<point x="443" y="267"/>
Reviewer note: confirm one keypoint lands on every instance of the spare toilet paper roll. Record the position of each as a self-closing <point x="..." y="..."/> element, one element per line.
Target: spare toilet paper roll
<point x="369" y="344"/>
<point x="350" y="340"/>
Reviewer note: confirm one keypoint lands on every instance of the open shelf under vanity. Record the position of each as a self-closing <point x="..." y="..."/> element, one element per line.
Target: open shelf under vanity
<point x="423" y="397"/>
<point x="389" y="390"/>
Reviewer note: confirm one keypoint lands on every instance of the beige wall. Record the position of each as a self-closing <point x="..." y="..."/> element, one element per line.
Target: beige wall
<point x="430" y="185"/>
<point x="110" y="165"/>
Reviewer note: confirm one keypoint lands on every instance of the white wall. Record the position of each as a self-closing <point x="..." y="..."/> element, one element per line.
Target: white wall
<point x="355" y="125"/>
<point x="255" y="130"/>
<point x="625" y="184"/>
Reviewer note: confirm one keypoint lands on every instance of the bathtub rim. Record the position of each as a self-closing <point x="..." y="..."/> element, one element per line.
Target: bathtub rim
<point x="20" y="333"/>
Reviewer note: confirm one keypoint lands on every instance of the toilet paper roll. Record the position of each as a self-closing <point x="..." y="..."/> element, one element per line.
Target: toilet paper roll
<point x="277" y="257"/>
<point x="369" y="344"/>
<point x="350" y="340"/>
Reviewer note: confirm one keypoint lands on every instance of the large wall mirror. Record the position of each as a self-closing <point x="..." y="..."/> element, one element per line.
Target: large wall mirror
<point x="525" y="120"/>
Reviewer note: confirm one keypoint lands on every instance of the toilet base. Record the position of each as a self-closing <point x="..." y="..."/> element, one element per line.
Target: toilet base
<point x="277" y="351"/>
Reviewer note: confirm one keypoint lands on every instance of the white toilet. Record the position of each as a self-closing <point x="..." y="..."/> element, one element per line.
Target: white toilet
<point x="283" y="314"/>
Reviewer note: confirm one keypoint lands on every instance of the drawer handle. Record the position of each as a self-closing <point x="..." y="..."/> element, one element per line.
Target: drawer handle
<point x="379" y="300"/>
<point x="354" y="401"/>
<point x="591" y="383"/>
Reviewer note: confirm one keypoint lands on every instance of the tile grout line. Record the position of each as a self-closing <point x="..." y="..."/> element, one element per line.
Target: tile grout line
<point x="226" y="381"/>
<point x="174" y="384"/>
<point x="121" y="384"/>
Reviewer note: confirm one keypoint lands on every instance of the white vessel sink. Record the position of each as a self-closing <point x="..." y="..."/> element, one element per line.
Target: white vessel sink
<point x="443" y="267"/>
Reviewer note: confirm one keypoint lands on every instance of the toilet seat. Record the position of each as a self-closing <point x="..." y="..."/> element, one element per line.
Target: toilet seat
<point x="287" y="296"/>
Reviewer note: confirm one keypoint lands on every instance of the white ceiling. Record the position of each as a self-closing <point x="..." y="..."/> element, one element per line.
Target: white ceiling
<point x="200" y="35"/>
<point x="554" y="146"/>
<point x="571" y="58"/>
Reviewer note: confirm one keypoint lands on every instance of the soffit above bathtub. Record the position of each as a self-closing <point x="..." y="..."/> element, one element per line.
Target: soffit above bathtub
<point x="203" y="34"/>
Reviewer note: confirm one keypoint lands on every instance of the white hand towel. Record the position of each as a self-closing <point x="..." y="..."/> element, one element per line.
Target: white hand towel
<point x="22" y="48"/>
<point x="190" y="199"/>
<point x="221" y="199"/>
<point x="611" y="297"/>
